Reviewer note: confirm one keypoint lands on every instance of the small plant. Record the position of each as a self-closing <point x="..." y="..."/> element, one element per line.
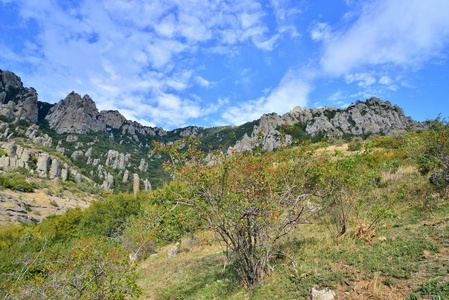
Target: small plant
<point x="54" y="203"/>
<point x="28" y="208"/>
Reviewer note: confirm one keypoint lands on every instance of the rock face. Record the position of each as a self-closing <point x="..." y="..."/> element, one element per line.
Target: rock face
<point x="371" y="116"/>
<point x="42" y="164"/>
<point x="17" y="102"/>
<point x="117" y="160"/>
<point x="75" y="115"/>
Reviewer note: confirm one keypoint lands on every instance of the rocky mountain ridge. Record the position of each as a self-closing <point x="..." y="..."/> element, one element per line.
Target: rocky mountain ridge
<point x="117" y="156"/>
<point x="76" y="114"/>
<point x="372" y="116"/>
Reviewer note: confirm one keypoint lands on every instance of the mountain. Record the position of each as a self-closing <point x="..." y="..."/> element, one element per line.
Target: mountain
<point x="73" y="140"/>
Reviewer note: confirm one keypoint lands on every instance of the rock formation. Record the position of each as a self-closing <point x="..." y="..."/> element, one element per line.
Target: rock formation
<point x="371" y="116"/>
<point x="75" y="115"/>
<point x="17" y="102"/>
<point x="136" y="183"/>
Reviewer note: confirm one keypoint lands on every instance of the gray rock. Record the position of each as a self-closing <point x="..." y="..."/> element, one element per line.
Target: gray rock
<point x="143" y="165"/>
<point x="43" y="162"/>
<point x="126" y="176"/>
<point x="22" y="102"/>
<point x="78" y="178"/>
<point x="72" y="138"/>
<point x="88" y="152"/>
<point x="173" y="250"/>
<point x="117" y="160"/>
<point x="77" y="153"/>
<point x="55" y="170"/>
<point x="325" y="294"/>
<point x="75" y="115"/>
<point x="108" y="183"/>
<point x="65" y="173"/>
<point x="147" y="185"/>
<point x="371" y="116"/>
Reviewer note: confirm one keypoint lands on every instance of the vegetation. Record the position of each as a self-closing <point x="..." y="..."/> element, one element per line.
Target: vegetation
<point x="254" y="225"/>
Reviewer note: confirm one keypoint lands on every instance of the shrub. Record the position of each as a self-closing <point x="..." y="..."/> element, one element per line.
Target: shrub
<point x="355" y="146"/>
<point x="108" y="217"/>
<point x="250" y="201"/>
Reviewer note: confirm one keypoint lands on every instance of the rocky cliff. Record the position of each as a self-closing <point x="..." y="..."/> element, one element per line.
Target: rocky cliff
<point x="118" y="151"/>
<point x="372" y="116"/>
<point x="17" y="102"/>
<point x="75" y="115"/>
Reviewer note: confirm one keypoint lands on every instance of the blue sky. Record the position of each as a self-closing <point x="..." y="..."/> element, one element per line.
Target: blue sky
<point x="173" y="63"/>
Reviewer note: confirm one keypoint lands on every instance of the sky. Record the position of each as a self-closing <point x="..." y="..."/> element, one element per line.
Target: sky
<point x="175" y="63"/>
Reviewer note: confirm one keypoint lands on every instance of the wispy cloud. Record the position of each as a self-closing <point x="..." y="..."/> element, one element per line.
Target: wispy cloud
<point x="117" y="50"/>
<point x="401" y="33"/>
<point x="293" y="90"/>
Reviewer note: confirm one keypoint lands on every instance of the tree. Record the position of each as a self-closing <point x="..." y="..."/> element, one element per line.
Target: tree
<point x="250" y="201"/>
<point x="430" y="149"/>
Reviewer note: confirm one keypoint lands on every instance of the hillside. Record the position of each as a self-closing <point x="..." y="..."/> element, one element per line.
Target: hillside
<point x="352" y="202"/>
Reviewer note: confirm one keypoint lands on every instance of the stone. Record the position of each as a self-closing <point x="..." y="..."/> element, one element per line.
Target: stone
<point x="325" y="294"/>
<point x="55" y="170"/>
<point x="77" y="153"/>
<point x="173" y="250"/>
<point x="126" y="176"/>
<point x="136" y="183"/>
<point x="72" y="138"/>
<point x="371" y="116"/>
<point x="78" y="178"/>
<point x="147" y="185"/>
<point x="65" y="173"/>
<point x="43" y="162"/>
<point x="21" y="102"/>
<point x="108" y="183"/>
<point x="143" y="165"/>
<point x="117" y="160"/>
<point x="88" y="152"/>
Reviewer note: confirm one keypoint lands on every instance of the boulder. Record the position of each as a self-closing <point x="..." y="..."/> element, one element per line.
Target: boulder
<point x="43" y="162"/>
<point x="126" y="176"/>
<point x="325" y="294"/>
<point x="55" y="170"/>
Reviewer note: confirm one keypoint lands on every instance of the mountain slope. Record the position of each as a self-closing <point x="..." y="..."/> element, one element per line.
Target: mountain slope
<point x="105" y="148"/>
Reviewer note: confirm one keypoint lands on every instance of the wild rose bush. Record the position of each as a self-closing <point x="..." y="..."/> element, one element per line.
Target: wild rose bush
<point x="250" y="200"/>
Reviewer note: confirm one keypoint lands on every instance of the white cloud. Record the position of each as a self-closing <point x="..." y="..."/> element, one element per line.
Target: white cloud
<point x="320" y="32"/>
<point x="140" y="56"/>
<point x="385" y="80"/>
<point x="293" y="90"/>
<point x="203" y="82"/>
<point x="402" y="33"/>
<point x="362" y="79"/>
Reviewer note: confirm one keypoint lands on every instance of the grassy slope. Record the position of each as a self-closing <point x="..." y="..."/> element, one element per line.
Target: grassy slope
<point x="406" y="258"/>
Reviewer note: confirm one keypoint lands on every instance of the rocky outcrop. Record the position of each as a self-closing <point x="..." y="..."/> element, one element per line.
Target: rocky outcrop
<point x="117" y="160"/>
<point x="126" y="176"/>
<point x="371" y="116"/>
<point x="136" y="183"/>
<point x="108" y="183"/>
<point x="188" y="131"/>
<point x="42" y="164"/>
<point x="33" y="134"/>
<point x="147" y="185"/>
<point x="75" y="115"/>
<point x="143" y="167"/>
<point x="17" y="102"/>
